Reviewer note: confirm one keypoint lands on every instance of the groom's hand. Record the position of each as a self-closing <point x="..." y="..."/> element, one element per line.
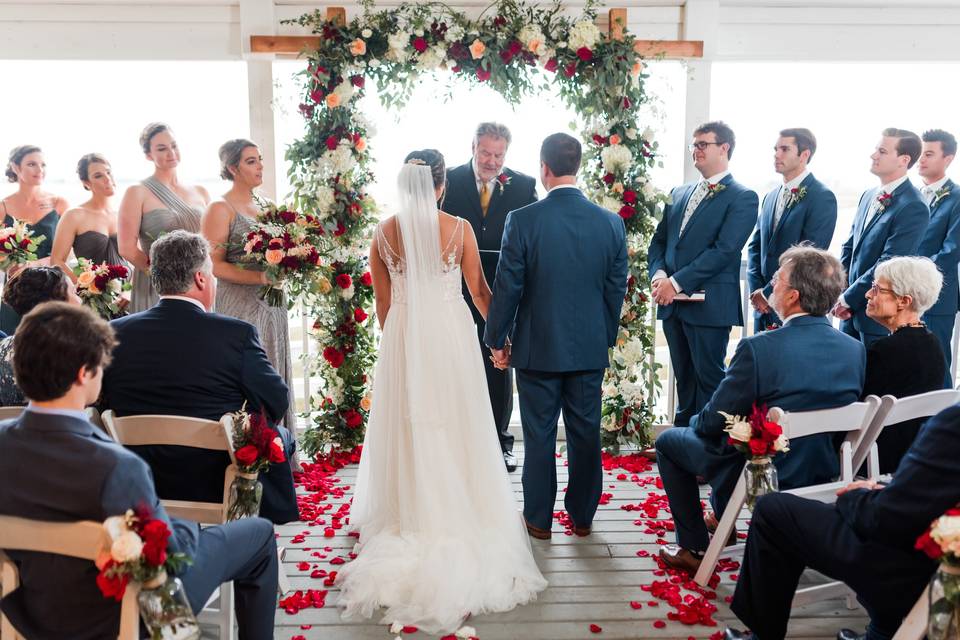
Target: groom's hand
<point x="500" y="357"/>
<point x="663" y="291"/>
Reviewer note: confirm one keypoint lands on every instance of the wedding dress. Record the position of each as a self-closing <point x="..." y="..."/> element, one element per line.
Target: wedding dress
<point x="441" y="536"/>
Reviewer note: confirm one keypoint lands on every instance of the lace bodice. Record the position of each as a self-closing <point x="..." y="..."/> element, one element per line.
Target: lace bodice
<point x="451" y="256"/>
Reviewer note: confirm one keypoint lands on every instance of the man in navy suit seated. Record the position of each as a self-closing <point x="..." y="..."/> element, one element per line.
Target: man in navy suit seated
<point x="178" y="359"/>
<point x="803" y="366"/>
<point x="866" y="540"/>
<point x="56" y="466"/>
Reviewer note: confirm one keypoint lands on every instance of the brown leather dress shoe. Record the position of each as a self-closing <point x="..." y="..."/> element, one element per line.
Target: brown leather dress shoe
<point x="537" y="532"/>
<point x="581" y="531"/>
<point x="711" y="522"/>
<point x="676" y="557"/>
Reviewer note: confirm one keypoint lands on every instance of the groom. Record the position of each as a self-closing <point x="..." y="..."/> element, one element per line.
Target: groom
<point x="560" y="285"/>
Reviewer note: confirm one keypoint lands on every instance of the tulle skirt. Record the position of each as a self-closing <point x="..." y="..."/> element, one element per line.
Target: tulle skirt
<point x="441" y="535"/>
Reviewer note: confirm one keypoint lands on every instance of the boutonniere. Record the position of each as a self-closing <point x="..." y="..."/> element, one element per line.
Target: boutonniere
<point x="796" y="195"/>
<point x="884" y="200"/>
<point x="714" y="189"/>
<point x="940" y="194"/>
<point x="503" y="180"/>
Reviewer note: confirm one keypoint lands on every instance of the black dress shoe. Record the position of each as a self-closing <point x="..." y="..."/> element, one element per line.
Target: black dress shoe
<point x="733" y="634"/>
<point x="510" y="460"/>
<point x="850" y="634"/>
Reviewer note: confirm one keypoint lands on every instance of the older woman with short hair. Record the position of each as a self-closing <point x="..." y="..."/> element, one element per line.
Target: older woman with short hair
<point x="910" y="360"/>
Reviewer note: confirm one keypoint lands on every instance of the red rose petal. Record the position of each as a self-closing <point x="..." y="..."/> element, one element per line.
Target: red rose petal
<point x="595" y="628"/>
<point x="659" y="624"/>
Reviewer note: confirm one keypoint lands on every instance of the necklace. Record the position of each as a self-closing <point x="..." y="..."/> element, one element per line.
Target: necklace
<point x="916" y="325"/>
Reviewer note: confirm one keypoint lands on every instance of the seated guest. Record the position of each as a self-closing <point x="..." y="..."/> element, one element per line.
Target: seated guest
<point x="866" y="539"/>
<point x="23" y="292"/>
<point x="178" y="359"/>
<point x="910" y="360"/>
<point x="78" y="474"/>
<point x="804" y="365"/>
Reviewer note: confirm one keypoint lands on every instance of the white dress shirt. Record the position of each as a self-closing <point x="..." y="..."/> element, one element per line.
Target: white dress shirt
<point x="479" y="181"/>
<point x="784" y="194"/>
<point x="930" y="191"/>
<point x="186" y="299"/>
<point x="794" y="315"/>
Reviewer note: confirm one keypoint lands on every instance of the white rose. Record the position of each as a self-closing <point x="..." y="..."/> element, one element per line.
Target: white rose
<point x="399" y="44"/>
<point x="115" y="526"/>
<point x="366" y="33"/>
<point x="454" y="33"/>
<point x="127" y="547"/>
<point x="373" y="63"/>
<point x="347" y="293"/>
<point x="615" y="158"/>
<point x="114" y="286"/>
<point x="609" y="423"/>
<point x="740" y="431"/>
<point x="611" y="204"/>
<point x="396" y="627"/>
<point x="631" y="134"/>
<point x="432" y="58"/>
<point x="649" y="191"/>
<point x="781" y="444"/>
<point x="610" y="389"/>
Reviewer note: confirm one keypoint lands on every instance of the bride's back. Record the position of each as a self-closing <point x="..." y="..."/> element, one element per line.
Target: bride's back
<point x="450" y="241"/>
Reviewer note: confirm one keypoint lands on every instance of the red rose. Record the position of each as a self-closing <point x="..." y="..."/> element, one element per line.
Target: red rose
<point x="515" y="47"/>
<point x="758" y="447"/>
<point x="340" y="229"/>
<point x="551" y="65"/>
<point x="344" y="281"/>
<point x="332" y="143"/>
<point x="570" y="70"/>
<point x="627" y="212"/>
<point x="366" y="279"/>
<point x="118" y="271"/>
<point x="359" y="315"/>
<point x="928" y="545"/>
<point x="247" y="455"/>
<point x="112" y="587"/>
<point x="276" y="452"/>
<point x="599" y="139"/>
<point x="288" y="216"/>
<point x="155" y="535"/>
<point x="317" y="96"/>
<point x="420" y="44"/>
<point x="609" y="178"/>
<point x="585" y="54"/>
<point x="357" y="81"/>
<point x="630" y="197"/>
<point x="352" y="418"/>
<point x="482" y="74"/>
<point x="25" y="243"/>
<point x="333" y="356"/>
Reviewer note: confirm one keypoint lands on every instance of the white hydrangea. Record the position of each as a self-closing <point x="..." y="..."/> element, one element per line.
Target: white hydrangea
<point x="610" y="389"/>
<point x="616" y="158"/>
<point x="432" y="58"/>
<point x="399" y="46"/>
<point x="324" y="198"/>
<point x="339" y="161"/>
<point x="649" y="191"/>
<point x="345" y="92"/>
<point x="611" y="204"/>
<point x="631" y="353"/>
<point x="347" y="293"/>
<point x="454" y="33"/>
<point x="632" y="393"/>
<point x="362" y="122"/>
<point x="335" y="389"/>
<point x="583" y="34"/>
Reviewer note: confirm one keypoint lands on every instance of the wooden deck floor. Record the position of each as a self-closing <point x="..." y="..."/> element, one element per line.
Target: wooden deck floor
<point x="592" y="580"/>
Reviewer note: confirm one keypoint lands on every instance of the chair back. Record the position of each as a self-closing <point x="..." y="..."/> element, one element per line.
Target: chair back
<point x="84" y="540"/>
<point x="185" y="432"/>
<point x="851" y="417"/>
<point x="6" y="413"/>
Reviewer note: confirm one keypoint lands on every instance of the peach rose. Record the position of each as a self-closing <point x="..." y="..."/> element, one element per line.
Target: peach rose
<point x="324" y="285"/>
<point x="361" y="145"/>
<point x="534" y="46"/>
<point x="637" y="68"/>
<point x="617" y="187"/>
<point x="333" y="101"/>
<point x="85" y="279"/>
<point x="358" y="47"/>
<point x="477" y="49"/>
<point x="366" y="403"/>
<point x="274" y="256"/>
<point x="614" y="139"/>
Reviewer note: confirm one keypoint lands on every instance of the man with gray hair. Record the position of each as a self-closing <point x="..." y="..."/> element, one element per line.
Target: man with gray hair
<point x="483" y="191"/>
<point x="179" y="359"/>
<point x="803" y="366"/>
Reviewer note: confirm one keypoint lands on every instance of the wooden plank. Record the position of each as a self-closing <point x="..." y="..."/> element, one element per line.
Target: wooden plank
<point x="618" y="23"/>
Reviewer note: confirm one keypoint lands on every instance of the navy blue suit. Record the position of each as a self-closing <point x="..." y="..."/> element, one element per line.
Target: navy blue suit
<point x="463" y="200"/>
<point x="865" y="540"/>
<point x="894" y="232"/>
<point x="79" y="474"/>
<point x="706" y="257"/>
<point x="812" y="219"/>
<point x="175" y="359"/>
<point x="803" y="366"/>
<point x="941" y="243"/>
<point x="558" y="293"/>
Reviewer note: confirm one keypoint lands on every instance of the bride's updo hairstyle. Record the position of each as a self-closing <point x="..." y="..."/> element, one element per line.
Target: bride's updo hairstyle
<point x="433" y="159"/>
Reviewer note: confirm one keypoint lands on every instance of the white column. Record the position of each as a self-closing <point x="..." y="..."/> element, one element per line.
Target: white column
<point x="257" y="17"/>
<point x="701" y="21"/>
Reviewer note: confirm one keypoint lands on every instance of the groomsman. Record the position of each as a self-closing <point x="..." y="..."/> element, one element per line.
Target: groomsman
<point x="694" y="265"/>
<point x="801" y="210"/>
<point x="890" y="221"/>
<point x="941" y="242"/>
<point x="483" y="192"/>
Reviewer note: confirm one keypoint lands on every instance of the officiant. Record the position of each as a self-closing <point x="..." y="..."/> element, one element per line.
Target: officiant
<point x="483" y="191"/>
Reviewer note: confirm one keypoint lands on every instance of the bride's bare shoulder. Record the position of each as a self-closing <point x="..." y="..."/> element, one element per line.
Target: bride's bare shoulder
<point x="447" y="219"/>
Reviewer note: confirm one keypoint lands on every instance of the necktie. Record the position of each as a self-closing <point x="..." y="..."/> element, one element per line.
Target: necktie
<point x="928" y="194"/>
<point x="698" y="195"/>
<point x="781" y="205"/>
<point x="874" y="207"/>
<point x="484" y="197"/>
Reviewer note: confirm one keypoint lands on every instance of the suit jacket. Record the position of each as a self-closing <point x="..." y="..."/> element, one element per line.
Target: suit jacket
<point x="463" y="200"/>
<point x="707" y="255"/>
<point x="941" y="243"/>
<point x="813" y="220"/>
<point x="560" y="284"/>
<point x="803" y="366"/>
<point x="176" y="359"/>
<point x="895" y="232"/>
<point x="61" y="469"/>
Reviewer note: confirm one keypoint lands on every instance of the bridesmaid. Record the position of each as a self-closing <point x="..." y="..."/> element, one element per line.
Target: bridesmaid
<point x="226" y="224"/>
<point x="31" y="204"/>
<point x="90" y="229"/>
<point x="159" y="204"/>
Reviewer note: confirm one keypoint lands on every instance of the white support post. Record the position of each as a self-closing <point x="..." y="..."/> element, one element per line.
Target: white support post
<point x="258" y="17"/>
<point x="700" y="22"/>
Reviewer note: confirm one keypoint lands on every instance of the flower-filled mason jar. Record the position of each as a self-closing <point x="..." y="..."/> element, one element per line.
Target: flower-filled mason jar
<point x="944" y="618"/>
<point x="760" y="476"/>
<point x="246" y="492"/>
<point x="165" y="610"/>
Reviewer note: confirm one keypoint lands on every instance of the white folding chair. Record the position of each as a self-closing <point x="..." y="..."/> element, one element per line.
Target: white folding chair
<point x="83" y="540"/>
<point x="201" y="434"/>
<point x="852" y="419"/>
<point x="914" y="626"/>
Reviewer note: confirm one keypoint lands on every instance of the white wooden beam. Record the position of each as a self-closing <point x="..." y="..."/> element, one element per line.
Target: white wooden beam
<point x="700" y="22"/>
<point x="257" y="16"/>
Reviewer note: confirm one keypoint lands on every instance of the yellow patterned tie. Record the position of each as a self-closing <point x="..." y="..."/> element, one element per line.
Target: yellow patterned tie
<point x="484" y="198"/>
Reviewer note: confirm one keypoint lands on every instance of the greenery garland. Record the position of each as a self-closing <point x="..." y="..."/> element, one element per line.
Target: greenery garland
<point x="516" y="49"/>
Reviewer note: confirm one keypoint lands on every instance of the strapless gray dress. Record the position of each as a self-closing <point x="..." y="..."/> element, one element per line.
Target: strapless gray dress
<point x="153" y="224"/>
<point x="98" y="248"/>
<point x="243" y="301"/>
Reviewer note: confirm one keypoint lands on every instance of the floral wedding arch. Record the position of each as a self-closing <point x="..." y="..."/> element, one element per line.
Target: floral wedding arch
<point x="514" y="48"/>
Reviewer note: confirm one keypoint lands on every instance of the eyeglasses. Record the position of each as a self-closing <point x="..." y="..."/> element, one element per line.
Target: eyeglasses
<point x="700" y="146"/>
<point x="877" y="289"/>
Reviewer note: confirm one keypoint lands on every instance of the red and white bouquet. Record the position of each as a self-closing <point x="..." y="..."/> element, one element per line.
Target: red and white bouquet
<point x="941" y="542"/>
<point x="101" y="286"/>
<point x="758" y="438"/>
<point x="256" y="446"/>
<point x="18" y="245"/>
<point x="284" y="244"/>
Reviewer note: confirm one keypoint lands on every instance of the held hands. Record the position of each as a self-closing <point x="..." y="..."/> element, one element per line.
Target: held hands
<point x="839" y="311"/>
<point x="663" y="291"/>
<point x="859" y="484"/>
<point x="759" y="302"/>
<point x="501" y="357"/>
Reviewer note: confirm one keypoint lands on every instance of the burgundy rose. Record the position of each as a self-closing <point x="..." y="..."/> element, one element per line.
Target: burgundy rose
<point x="609" y="178"/>
<point x="585" y="54"/>
<point x="482" y="74"/>
<point x="290" y="262"/>
<point x="340" y="229"/>
<point x="627" y="212"/>
<point x="630" y="197"/>
<point x="357" y="81"/>
<point x="333" y="356"/>
<point x="551" y="65"/>
<point x="570" y="70"/>
<point x="353" y="418"/>
<point x="420" y="44"/>
<point x="287" y="216"/>
<point x="332" y="143"/>
<point x="155" y="534"/>
<point x="344" y="281"/>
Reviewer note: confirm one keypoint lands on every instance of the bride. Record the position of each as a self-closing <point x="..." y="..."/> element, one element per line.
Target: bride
<point x="440" y="534"/>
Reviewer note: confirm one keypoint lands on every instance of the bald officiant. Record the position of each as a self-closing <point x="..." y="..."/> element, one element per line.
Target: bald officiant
<point x="483" y="191"/>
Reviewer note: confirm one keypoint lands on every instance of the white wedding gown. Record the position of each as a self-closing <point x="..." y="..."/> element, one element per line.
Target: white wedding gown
<point x="441" y="536"/>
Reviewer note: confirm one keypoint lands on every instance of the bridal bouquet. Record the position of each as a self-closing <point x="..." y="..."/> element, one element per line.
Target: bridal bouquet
<point x="138" y="552"/>
<point x="18" y="245"/>
<point x="284" y="244"/>
<point x="256" y="445"/>
<point x="757" y="438"/>
<point x="100" y="287"/>
<point x="941" y="541"/>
